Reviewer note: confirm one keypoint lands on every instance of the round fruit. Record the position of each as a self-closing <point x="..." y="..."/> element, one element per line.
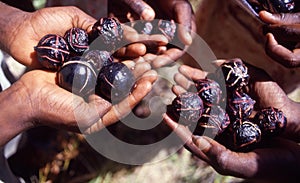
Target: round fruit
<point x="240" y="106"/>
<point x="235" y="74"/>
<point x="271" y="121"/>
<point x="77" y="40"/>
<point x="98" y="58"/>
<point x="52" y="51"/>
<point x="167" y="28"/>
<point x="188" y="107"/>
<point x="109" y="30"/>
<point x="78" y="77"/>
<point x="209" y="91"/>
<point x="143" y="27"/>
<point x="214" y="118"/>
<point x="246" y="135"/>
<point x="115" y="82"/>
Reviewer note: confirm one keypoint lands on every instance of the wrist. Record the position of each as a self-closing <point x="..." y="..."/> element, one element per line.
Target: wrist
<point x="15" y="114"/>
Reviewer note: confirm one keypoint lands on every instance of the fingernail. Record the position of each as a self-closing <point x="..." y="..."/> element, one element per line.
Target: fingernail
<point x="201" y="142"/>
<point x="148" y="14"/>
<point x="188" y="38"/>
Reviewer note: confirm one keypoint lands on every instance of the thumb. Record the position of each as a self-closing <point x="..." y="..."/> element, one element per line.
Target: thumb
<point x="282" y="18"/>
<point x="141" y="8"/>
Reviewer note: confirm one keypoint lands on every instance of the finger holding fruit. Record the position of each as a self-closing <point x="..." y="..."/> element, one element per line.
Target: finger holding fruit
<point x="241" y="144"/>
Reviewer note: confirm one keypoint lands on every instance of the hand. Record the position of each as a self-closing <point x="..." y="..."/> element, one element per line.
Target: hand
<point x="35" y="99"/>
<point x="263" y="163"/>
<point x="282" y="32"/>
<point x="27" y="29"/>
<point x="181" y="11"/>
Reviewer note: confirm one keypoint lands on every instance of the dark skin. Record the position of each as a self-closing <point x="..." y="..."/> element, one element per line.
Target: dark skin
<point x="36" y="99"/>
<point x="282" y="29"/>
<point x="279" y="159"/>
<point x="178" y="10"/>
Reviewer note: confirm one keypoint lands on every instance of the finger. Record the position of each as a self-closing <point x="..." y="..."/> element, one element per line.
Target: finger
<point x="131" y="51"/>
<point x="281" y="54"/>
<point x="284" y="32"/>
<point x="168" y="57"/>
<point x="141" y="8"/>
<point x="177" y="90"/>
<point x="192" y="73"/>
<point x="183" y="81"/>
<point x="225" y="161"/>
<point x="282" y="18"/>
<point x="183" y="16"/>
<point x="185" y="135"/>
<point x="131" y="36"/>
<point x="140" y="68"/>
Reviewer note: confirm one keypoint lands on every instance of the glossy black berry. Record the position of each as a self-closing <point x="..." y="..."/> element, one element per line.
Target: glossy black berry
<point x="271" y="121"/>
<point x="78" y="77"/>
<point x="239" y="105"/>
<point x="52" y="51"/>
<point x="278" y="6"/>
<point x="110" y="32"/>
<point x="167" y="28"/>
<point x="246" y="136"/>
<point x="187" y="108"/>
<point x="77" y="40"/>
<point x="214" y="118"/>
<point x="98" y="58"/>
<point x="235" y="74"/>
<point x="209" y="91"/>
<point x="115" y="82"/>
<point x="143" y="27"/>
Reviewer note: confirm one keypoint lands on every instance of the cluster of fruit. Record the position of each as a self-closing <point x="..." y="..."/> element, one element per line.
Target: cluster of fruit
<point x="274" y="6"/>
<point x="209" y="111"/>
<point x="83" y="70"/>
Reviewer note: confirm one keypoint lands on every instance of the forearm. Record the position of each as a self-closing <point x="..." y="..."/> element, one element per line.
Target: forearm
<point x="8" y="15"/>
<point x="14" y="113"/>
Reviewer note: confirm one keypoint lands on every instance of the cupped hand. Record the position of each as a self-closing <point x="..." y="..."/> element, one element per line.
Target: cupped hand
<point x="283" y="32"/>
<point x="180" y="11"/>
<point x="45" y="103"/>
<point x="275" y="161"/>
<point x="26" y="29"/>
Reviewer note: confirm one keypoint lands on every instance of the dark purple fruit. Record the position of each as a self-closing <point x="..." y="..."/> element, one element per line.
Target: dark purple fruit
<point x="279" y="6"/>
<point x="187" y="107"/>
<point x="246" y="135"/>
<point x="77" y="40"/>
<point x="214" y="118"/>
<point x="52" y="51"/>
<point x="165" y="27"/>
<point x="143" y="27"/>
<point x="98" y="58"/>
<point x="240" y="106"/>
<point x="209" y="91"/>
<point x="110" y="32"/>
<point x="78" y="77"/>
<point x="271" y="121"/>
<point x="235" y="74"/>
<point x="115" y="82"/>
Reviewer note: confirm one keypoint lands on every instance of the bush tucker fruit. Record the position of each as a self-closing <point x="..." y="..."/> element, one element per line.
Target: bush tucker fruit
<point x="167" y="28"/>
<point x="235" y="74"/>
<point x="188" y="107"/>
<point x="110" y="32"/>
<point x="77" y="40"/>
<point x="240" y="105"/>
<point x="143" y="27"/>
<point x="98" y="58"/>
<point x="115" y="82"/>
<point x="214" y="118"/>
<point x="246" y="135"/>
<point x="52" y="51"/>
<point x="278" y="6"/>
<point x="209" y="91"/>
<point x="271" y="121"/>
<point x="78" y="77"/>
